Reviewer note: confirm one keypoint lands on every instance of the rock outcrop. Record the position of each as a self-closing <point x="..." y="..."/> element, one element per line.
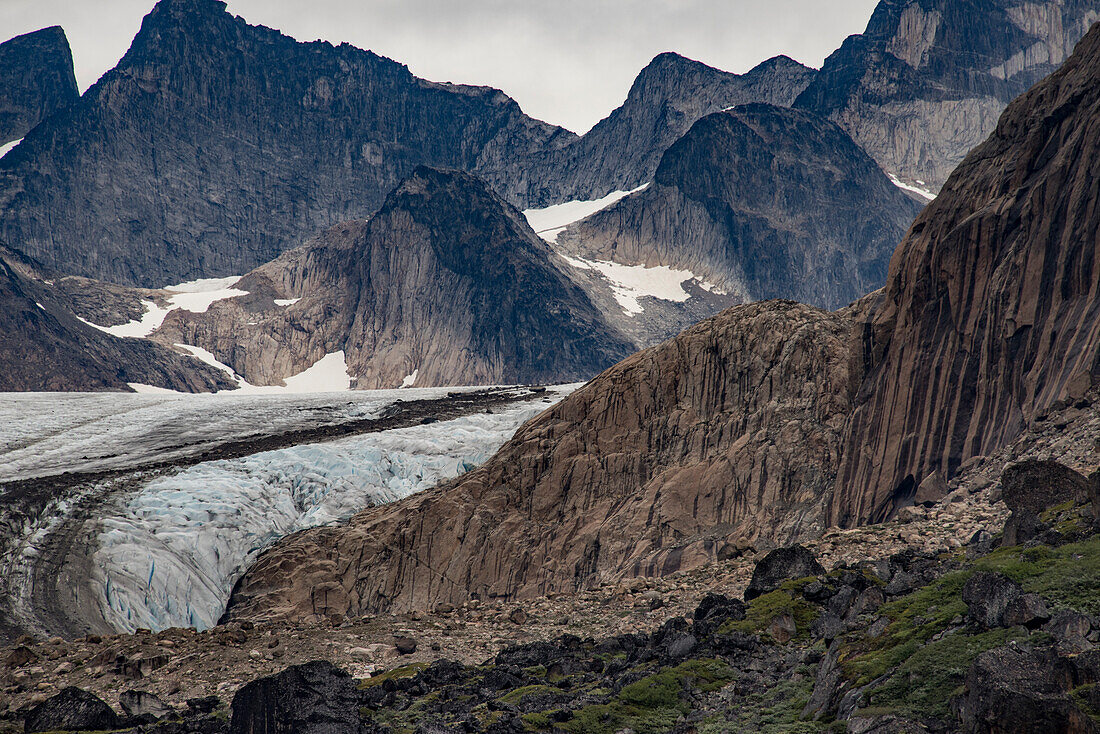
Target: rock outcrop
<point x="711" y="440"/>
<point x="991" y="314"/>
<point x="445" y="285"/>
<point x="927" y="80"/>
<point x="45" y="346"/>
<point x="36" y="80"/>
<point x="622" y="151"/>
<point x="766" y="202"/>
<point x="226" y="144"/>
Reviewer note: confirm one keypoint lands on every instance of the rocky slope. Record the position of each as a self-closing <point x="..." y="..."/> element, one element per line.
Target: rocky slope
<point x="36" y="80"/>
<point x="765" y="202"/>
<point x="927" y="80"/>
<point x="744" y="425"/>
<point x="991" y="314"/>
<point x="669" y="95"/>
<point x="445" y="285"/>
<point x="679" y="453"/>
<point x="45" y="346"/>
<point x="226" y="144"/>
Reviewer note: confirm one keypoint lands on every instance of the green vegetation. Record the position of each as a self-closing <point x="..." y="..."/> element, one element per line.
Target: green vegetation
<point x="779" y="711"/>
<point x="405" y="671"/>
<point x="1065" y="576"/>
<point x="515" y="696"/>
<point x="787" y="599"/>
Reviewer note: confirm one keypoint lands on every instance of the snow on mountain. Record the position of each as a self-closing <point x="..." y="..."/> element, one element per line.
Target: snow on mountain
<point x="6" y="147"/>
<point x="915" y="189"/>
<point x="170" y="554"/>
<point x="548" y="223"/>
<point x="630" y="283"/>
<point x="47" y="433"/>
<point x="195" y="296"/>
<point x="328" y="374"/>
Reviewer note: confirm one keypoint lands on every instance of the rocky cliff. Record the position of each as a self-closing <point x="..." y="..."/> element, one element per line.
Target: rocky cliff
<point x="445" y="285"/>
<point x="36" y="80"/>
<point x="225" y="144"/>
<point x="764" y="201"/>
<point x="684" y="451"/>
<point x="622" y="151"/>
<point x="745" y="426"/>
<point x="991" y="313"/>
<point x="45" y="346"/>
<point x="927" y="80"/>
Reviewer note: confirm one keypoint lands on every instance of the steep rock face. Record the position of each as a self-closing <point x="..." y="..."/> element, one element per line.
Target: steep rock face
<point x="764" y="201"/>
<point x="927" y="80"/>
<point x="215" y="145"/>
<point x="991" y="313"/>
<point x="446" y="281"/>
<point x="667" y="98"/>
<point x="709" y="441"/>
<point x="44" y="346"/>
<point x="36" y="80"/>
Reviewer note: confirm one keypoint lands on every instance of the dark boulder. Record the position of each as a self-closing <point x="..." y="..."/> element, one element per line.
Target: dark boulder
<point x="715" y="610"/>
<point x="987" y="596"/>
<point x="71" y="710"/>
<point x="315" y="698"/>
<point x="1027" y="610"/>
<point x="782" y="564"/>
<point x="1014" y="689"/>
<point x="1032" y="486"/>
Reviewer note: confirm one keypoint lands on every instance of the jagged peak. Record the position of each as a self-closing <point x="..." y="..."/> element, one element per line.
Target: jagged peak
<point x="55" y="30"/>
<point x="782" y="61"/>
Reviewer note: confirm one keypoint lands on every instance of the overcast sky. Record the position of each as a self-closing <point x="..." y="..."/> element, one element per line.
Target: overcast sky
<point x="569" y="62"/>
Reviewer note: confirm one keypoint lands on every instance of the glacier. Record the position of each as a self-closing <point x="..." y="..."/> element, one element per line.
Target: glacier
<point x="169" y="554"/>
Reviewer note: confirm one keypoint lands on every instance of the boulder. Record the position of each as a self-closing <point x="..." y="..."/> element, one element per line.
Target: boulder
<point x="1027" y="610"/>
<point x="1032" y="486"/>
<point x="782" y="564"/>
<point x="931" y="490"/>
<point x="405" y="645"/>
<point x="315" y="698"/>
<point x="1019" y="690"/>
<point x="715" y="610"/>
<point x="142" y="703"/>
<point x="987" y="596"/>
<point x="71" y="710"/>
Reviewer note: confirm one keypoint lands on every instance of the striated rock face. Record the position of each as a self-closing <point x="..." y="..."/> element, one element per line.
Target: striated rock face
<point x="36" y="80"/>
<point x="622" y="151"/>
<point x="446" y="281"/>
<point x="225" y="144"/>
<point x="766" y="202"/>
<point x="991" y="313"/>
<point x="927" y="80"/>
<point x="713" y="440"/>
<point x="44" y="346"/>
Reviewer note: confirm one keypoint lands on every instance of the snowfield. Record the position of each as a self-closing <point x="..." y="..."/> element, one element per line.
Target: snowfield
<point x="548" y="223"/>
<point x="630" y="283"/>
<point x="196" y="296"/>
<point x="170" y="554"/>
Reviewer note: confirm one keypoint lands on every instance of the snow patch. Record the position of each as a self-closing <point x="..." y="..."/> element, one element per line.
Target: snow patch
<point x="195" y="296"/>
<point x="286" y="301"/>
<point x="170" y="554"/>
<point x="548" y="223"/>
<point x="141" y="389"/>
<point x="923" y="193"/>
<point x="328" y="374"/>
<point x="7" y="147"/>
<point x="630" y="283"/>
<point x="410" y="380"/>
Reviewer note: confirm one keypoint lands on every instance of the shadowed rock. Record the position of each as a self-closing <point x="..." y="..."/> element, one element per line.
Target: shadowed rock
<point x="36" y="80"/>
<point x="988" y="596"/>
<point x="782" y="564"/>
<point x="315" y="698"/>
<point x="71" y="710"/>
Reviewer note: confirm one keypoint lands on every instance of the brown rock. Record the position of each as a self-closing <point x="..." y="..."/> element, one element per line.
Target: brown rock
<point x="931" y="490"/>
<point x="989" y="312"/>
<point x="405" y="645"/>
<point x="715" y="437"/>
<point x="21" y="656"/>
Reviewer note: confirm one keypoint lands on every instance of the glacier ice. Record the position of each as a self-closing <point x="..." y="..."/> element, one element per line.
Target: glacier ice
<point x="170" y="554"/>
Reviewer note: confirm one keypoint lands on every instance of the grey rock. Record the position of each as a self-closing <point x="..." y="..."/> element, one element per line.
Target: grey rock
<point x="828" y="626"/>
<point x="447" y="280"/>
<point x="142" y="703"/>
<point x="405" y="645"/>
<point x="988" y="596"/>
<point x="72" y="709"/>
<point x="926" y="81"/>
<point x="764" y="201"/>
<point x="315" y="698"/>
<point x="36" y="80"/>
<point x="931" y="490"/>
<point x="1030" y="487"/>
<point x="1028" y="611"/>
<point x="782" y="564"/>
